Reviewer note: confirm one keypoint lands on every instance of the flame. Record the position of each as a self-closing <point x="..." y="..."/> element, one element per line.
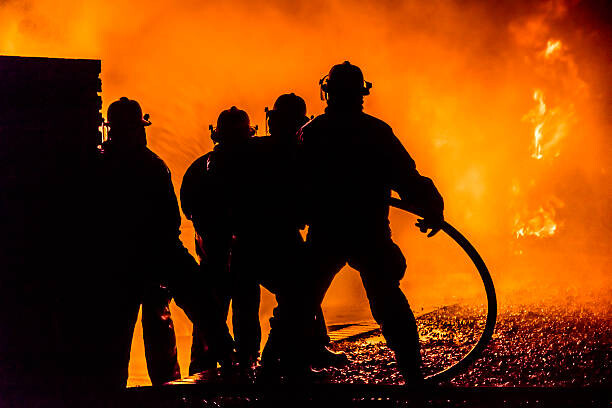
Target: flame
<point x="550" y="127"/>
<point x="550" y="124"/>
<point x="539" y="118"/>
<point x="541" y="224"/>
<point x="553" y="48"/>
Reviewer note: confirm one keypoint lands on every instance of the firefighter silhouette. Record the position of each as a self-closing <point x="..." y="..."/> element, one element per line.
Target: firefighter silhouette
<point x="205" y="201"/>
<point x="276" y="165"/>
<point x="350" y="162"/>
<point x="143" y="260"/>
<point x="264" y="239"/>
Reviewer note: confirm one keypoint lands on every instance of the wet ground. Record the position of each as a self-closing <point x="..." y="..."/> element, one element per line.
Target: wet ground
<point x="534" y="345"/>
<point x="561" y="347"/>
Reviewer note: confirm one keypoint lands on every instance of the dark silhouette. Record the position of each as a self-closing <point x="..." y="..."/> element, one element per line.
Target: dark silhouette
<point x="276" y="167"/>
<point x="351" y="161"/>
<point x="159" y="337"/>
<point x="140" y="225"/>
<point x="49" y="121"/>
<point x="266" y="243"/>
<point x="204" y="201"/>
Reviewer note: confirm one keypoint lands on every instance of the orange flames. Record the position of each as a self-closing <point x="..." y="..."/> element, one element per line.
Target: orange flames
<point x="541" y="224"/>
<point x="553" y="48"/>
<point x="550" y="127"/>
<point x="538" y="115"/>
<point x="550" y="124"/>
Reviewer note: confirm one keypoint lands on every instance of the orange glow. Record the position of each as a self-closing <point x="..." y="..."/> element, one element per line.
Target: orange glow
<point x="551" y="124"/>
<point x="552" y="48"/>
<point x="505" y="105"/>
<point x="539" y="124"/>
<point x="540" y="224"/>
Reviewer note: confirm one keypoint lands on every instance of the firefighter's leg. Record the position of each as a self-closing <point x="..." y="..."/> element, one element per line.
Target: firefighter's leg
<point x="245" y="265"/>
<point x="245" y="319"/>
<point x="321" y="337"/>
<point x="381" y="266"/>
<point x="119" y="333"/>
<point x="159" y="337"/>
<point x="270" y="354"/>
<point x="202" y="357"/>
<point x="324" y="261"/>
<point x="293" y="331"/>
<point x="198" y="301"/>
<point x="102" y="335"/>
<point x="322" y="355"/>
<point x="205" y="312"/>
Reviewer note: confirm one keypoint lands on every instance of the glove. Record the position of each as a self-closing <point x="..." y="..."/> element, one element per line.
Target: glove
<point x="433" y="223"/>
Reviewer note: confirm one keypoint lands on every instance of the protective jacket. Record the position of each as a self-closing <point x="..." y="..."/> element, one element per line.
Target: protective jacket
<point x="140" y="223"/>
<point x="350" y="162"/>
<point x="140" y="211"/>
<point x="270" y="207"/>
<point x="204" y="198"/>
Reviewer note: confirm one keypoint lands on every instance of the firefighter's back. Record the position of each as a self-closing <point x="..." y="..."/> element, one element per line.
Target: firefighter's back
<point x="346" y="167"/>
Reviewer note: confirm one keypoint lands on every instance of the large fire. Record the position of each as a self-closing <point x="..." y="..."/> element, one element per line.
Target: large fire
<point x="506" y="106"/>
<point x="550" y="127"/>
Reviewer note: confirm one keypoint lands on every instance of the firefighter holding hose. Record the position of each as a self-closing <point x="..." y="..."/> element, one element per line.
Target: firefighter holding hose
<point x="350" y="163"/>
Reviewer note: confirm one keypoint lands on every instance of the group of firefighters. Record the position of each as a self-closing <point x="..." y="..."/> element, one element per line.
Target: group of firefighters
<point x="248" y="200"/>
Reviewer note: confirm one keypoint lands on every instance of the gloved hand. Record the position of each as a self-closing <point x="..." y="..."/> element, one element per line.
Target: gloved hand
<point x="435" y="224"/>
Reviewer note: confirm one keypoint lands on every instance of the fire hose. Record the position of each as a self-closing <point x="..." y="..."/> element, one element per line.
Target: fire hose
<point x="489" y="328"/>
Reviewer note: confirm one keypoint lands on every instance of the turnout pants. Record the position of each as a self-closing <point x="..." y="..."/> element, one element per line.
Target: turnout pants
<point x="276" y="262"/>
<point x="159" y="337"/>
<point x="381" y="266"/>
<point x="130" y="283"/>
<point x="245" y="300"/>
<point x="158" y="333"/>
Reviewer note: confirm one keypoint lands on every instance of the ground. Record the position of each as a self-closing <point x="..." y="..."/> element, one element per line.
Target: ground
<point x="534" y="345"/>
<point x="562" y="346"/>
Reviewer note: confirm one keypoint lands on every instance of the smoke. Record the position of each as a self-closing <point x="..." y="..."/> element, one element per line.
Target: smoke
<point x="455" y="80"/>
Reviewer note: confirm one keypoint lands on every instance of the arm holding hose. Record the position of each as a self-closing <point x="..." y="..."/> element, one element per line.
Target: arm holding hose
<point x="418" y="193"/>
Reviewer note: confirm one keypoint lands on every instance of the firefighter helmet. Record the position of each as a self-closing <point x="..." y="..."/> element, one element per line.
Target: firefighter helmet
<point x="126" y="114"/>
<point x="345" y="78"/>
<point x="290" y="105"/>
<point x="232" y="123"/>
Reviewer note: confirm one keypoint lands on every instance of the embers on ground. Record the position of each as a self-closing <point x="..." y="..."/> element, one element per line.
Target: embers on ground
<point x="534" y="345"/>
